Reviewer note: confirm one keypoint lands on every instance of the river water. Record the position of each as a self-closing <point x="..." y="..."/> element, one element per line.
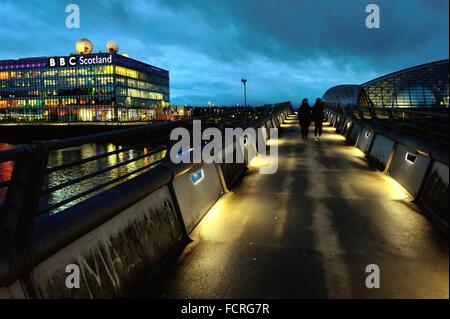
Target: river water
<point x="69" y="155"/>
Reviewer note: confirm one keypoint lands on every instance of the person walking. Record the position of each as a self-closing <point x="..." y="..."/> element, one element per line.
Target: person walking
<point x="318" y="116"/>
<point x="304" y="116"/>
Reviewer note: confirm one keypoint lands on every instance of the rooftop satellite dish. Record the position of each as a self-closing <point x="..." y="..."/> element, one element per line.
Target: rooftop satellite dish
<point x="112" y="47"/>
<point x="84" y="46"/>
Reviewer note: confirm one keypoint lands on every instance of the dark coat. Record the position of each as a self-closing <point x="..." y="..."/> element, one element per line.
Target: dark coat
<point x="317" y="113"/>
<point x="304" y="115"/>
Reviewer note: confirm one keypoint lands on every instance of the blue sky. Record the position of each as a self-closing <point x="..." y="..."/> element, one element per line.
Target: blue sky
<point x="286" y="49"/>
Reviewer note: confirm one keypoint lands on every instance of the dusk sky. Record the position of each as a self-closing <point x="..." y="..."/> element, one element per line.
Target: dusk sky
<point x="286" y="49"/>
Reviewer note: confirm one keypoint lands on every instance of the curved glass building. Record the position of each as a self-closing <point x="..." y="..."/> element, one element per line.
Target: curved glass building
<point x="342" y="94"/>
<point x="425" y="85"/>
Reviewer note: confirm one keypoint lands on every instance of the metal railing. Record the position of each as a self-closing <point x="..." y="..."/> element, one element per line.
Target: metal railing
<point x="29" y="191"/>
<point x="429" y="124"/>
<point x="149" y="140"/>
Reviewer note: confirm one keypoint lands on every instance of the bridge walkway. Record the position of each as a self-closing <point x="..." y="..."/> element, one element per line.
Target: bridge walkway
<point x="310" y="230"/>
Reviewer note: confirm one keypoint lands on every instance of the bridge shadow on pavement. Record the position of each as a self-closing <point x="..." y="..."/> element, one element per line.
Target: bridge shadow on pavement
<point x="310" y="230"/>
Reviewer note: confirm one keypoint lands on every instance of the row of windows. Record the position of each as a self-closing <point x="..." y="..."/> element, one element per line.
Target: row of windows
<point x="139" y="94"/>
<point x="100" y="100"/>
<point x="138" y="102"/>
<point x="64" y="91"/>
<point x="78" y="71"/>
<point x="132" y="83"/>
<point x="130" y="73"/>
<point x="82" y="71"/>
<point x="137" y="75"/>
<point x="76" y="114"/>
<point x="68" y="81"/>
<point x="81" y="81"/>
<point x="58" y="72"/>
<point x="6" y="75"/>
<point x="85" y="100"/>
<point x="73" y="83"/>
<point x="84" y="92"/>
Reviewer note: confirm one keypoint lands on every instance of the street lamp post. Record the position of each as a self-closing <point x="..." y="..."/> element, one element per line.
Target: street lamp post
<point x="244" y="81"/>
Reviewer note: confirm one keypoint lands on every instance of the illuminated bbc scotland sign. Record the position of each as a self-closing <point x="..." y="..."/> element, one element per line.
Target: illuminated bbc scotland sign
<point x="79" y="60"/>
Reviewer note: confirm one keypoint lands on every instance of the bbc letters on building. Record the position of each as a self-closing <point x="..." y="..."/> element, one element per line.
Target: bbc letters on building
<point x="79" y="60"/>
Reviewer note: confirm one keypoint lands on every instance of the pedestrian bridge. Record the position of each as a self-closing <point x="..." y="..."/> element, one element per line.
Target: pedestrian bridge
<point x="363" y="195"/>
<point x="310" y="231"/>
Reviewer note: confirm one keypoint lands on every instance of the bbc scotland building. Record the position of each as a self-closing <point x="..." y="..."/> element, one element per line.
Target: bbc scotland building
<point x="103" y="87"/>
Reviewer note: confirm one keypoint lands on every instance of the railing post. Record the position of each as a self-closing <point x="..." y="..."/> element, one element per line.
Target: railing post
<point x="352" y="113"/>
<point x="20" y="204"/>
<point x="390" y="115"/>
<point x="373" y="114"/>
<point x="361" y="114"/>
<point x="392" y="119"/>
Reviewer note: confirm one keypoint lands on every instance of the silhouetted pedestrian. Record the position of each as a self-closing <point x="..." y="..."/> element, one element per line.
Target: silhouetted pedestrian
<point x="318" y="116"/>
<point x="304" y="116"/>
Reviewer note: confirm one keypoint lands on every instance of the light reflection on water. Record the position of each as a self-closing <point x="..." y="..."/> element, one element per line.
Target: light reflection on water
<point x="69" y="155"/>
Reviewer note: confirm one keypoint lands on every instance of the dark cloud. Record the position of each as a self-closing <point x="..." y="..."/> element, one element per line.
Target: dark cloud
<point x="287" y="49"/>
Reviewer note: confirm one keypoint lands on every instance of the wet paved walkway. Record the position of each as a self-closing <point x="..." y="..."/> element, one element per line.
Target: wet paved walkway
<point x="310" y="230"/>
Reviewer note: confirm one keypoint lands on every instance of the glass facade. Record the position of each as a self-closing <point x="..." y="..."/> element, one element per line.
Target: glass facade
<point x="342" y="94"/>
<point x="86" y="88"/>
<point x="421" y="86"/>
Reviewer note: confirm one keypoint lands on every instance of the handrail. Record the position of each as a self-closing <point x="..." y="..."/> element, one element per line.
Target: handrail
<point x="426" y="129"/>
<point x="13" y="154"/>
<point x="30" y="237"/>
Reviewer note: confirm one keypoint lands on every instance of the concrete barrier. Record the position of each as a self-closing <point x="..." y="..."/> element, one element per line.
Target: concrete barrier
<point x="232" y="172"/>
<point x="380" y="152"/>
<point x="331" y="119"/>
<point x="274" y="121"/>
<point x="336" y="121"/>
<point x="268" y="126"/>
<point x="196" y="191"/>
<point x="408" y="168"/>
<point x="264" y="133"/>
<point x="434" y="194"/>
<point x="408" y="160"/>
<point x="15" y="291"/>
<point x="280" y="119"/>
<point x="365" y="140"/>
<point x="340" y="125"/>
<point x="250" y="148"/>
<point x="115" y="257"/>
<point x="347" y="128"/>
